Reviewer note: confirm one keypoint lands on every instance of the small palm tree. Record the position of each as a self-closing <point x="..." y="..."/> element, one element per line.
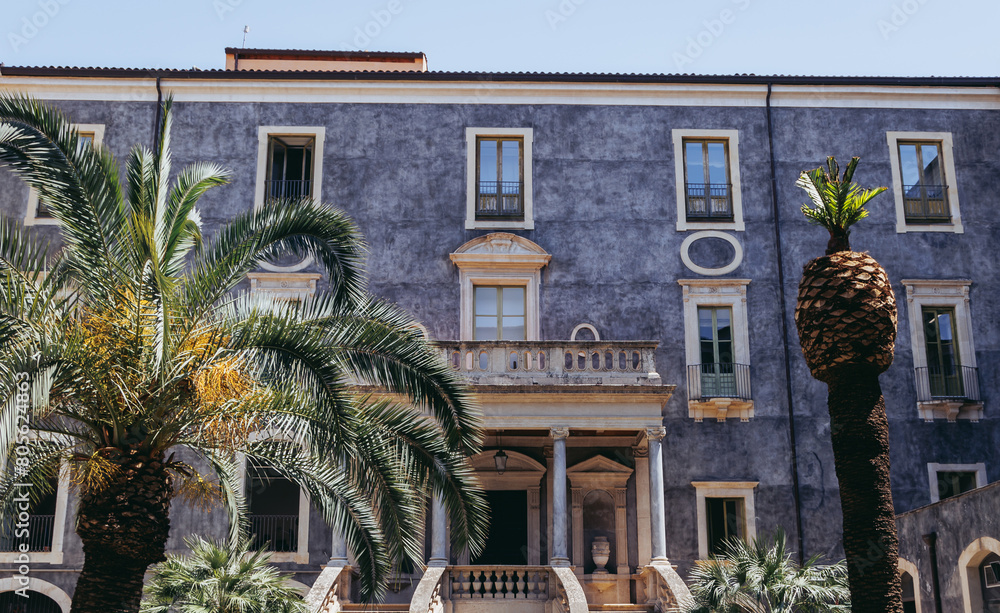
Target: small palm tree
<point x="153" y="377"/>
<point x="761" y="577"/>
<point x="219" y="579"/>
<point x="846" y="319"/>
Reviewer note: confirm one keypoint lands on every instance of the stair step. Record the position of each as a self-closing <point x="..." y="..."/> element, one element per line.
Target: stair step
<point x="375" y="608"/>
<point x="599" y="608"/>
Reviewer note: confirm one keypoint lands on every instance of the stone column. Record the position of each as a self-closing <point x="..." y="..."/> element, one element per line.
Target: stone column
<point x="560" y="551"/>
<point x="549" y="467"/>
<point x="439" y="533"/>
<point x="641" y="455"/>
<point x="338" y="550"/>
<point x="656" y="502"/>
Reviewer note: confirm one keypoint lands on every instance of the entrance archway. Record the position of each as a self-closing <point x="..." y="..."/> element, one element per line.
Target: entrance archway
<point x="514" y="503"/>
<point x="971" y="574"/>
<point x="43" y="597"/>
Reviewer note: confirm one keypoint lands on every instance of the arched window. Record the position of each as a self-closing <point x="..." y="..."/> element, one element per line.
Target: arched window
<point x="36" y="602"/>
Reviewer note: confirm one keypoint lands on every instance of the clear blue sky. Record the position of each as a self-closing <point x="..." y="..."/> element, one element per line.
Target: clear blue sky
<point x="848" y="37"/>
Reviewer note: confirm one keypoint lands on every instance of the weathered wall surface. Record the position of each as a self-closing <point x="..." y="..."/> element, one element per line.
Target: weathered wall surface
<point x="604" y="201"/>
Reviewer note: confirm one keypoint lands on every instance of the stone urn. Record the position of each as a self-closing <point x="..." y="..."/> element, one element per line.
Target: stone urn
<point x="600" y="550"/>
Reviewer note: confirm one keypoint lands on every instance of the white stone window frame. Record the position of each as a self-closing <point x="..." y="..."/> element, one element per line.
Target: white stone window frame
<point x="472" y="156"/>
<point x="731" y="293"/>
<point x="933" y="468"/>
<point x="290" y="286"/>
<point x="55" y="556"/>
<point x="301" y="553"/>
<point x="947" y="157"/>
<point x="724" y="489"/>
<point x="30" y="218"/>
<point x="500" y="259"/>
<point x="953" y="293"/>
<point x="679" y="135"/>
<point x="264" y="133"/>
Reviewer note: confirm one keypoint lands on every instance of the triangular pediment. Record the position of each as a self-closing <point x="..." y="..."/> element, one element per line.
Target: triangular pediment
<point x="599" y="464"/>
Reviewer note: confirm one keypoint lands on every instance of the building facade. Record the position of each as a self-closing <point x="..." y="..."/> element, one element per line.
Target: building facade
<point x="612" y="261"/>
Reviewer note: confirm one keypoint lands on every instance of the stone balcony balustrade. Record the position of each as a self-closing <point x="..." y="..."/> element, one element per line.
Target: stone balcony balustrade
<point x="554" y="362"/>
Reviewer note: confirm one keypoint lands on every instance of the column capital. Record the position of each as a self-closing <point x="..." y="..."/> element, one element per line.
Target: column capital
<point x="656" y="434"/>
<point x="559" y="432"/>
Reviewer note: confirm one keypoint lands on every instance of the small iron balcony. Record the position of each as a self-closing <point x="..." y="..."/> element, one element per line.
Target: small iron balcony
<point x="288" y="188"/>
<point x="709" y="201"/>
<point x="500" y="200"/>
<point x="955" y="383"/>
<point x="279" y="532"/>
<point x="926" y="203"/>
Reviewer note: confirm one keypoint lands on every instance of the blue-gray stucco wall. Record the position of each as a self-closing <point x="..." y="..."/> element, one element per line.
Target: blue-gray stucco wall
<point x="605" y="208"/>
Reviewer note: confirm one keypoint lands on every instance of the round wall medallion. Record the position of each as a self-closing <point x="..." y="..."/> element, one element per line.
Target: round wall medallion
<point x="293" y="268"/>
<point x="712" y="272"/>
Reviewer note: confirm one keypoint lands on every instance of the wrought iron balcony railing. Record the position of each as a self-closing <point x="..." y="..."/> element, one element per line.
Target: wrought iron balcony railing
<point x="955" y="383"/>
<point x="556" y="361"/>
<point x="279" y="532"/>
<point x="288" y="188"/>
<point x="718" y="380"/>
<point x="926" y="203"/>
<point x="38" y="534"/>
<point x="500" y="200"/>
<point x="709" y="201"/>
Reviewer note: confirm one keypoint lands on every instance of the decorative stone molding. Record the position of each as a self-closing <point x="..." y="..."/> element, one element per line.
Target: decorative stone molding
<point x="284" y="285"/>
<point x="733" y="144"/>
<point x="953" y="293"/>
<point x="500" y="258"/>
<point x="948" y="168"/>
<point x="527" y="137"/>
<point x="731" y="293"/>
<point x="724" y="489"/>
<point x="656" y="433"/>
<point x="711" y="272"/>
<point x="585" y="326"/>
<point x="558" y="433"/>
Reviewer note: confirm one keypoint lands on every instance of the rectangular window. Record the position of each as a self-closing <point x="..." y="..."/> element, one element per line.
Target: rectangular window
<point x="707" y="188"/>
<point x="953" y="483"/>
<point x="943" y="367"/>
<point x="715" y="331"/>
<point x="274" y="508"/>
<point x="925" y="191"/>
<point x="991" y="573"/>
<point x="499" y="178"/>
<point x="725" y="520"/>
<point x="499" y="313"/>
<point x="40" y="528"/>
<point x="290" y="166"/>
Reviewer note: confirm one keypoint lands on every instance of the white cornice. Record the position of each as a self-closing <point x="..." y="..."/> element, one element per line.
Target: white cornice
<point x="492" y="92"/>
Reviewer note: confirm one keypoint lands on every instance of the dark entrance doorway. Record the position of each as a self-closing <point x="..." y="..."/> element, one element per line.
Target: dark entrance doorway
<point x="34" y="603"/>
<point x="508" y="539"/>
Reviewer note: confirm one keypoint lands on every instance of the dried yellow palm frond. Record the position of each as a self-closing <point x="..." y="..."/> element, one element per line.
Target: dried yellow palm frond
<point x="199" y="492"/>
<point x="93" y="473"/>
<point x="223" y="380"/>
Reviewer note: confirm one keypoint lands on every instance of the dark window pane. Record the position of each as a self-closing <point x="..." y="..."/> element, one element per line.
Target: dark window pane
<point x="954" y="483"/>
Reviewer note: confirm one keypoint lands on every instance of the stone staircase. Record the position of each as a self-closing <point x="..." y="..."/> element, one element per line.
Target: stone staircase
<point x="375" y="608"/>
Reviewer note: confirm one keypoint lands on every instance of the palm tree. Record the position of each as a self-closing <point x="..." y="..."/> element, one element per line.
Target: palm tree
<point x="846" y="319"/>
<point x="220" y="579"/>
<point x="761" y="577"/>
<point x="151" y="374"/>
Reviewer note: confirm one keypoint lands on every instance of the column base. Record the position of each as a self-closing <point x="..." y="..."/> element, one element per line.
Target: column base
<point x="437" y="563"/>
<point x="560" y="562"/>
<point x="335" y="562"/>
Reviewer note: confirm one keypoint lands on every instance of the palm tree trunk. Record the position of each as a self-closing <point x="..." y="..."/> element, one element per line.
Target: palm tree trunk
<point x="860" y="432"/>
<point x="124" y="528"/>
<point x="109" y="583"/>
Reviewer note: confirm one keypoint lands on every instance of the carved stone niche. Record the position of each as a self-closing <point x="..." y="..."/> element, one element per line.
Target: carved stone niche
<point x="599" y="480"/>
